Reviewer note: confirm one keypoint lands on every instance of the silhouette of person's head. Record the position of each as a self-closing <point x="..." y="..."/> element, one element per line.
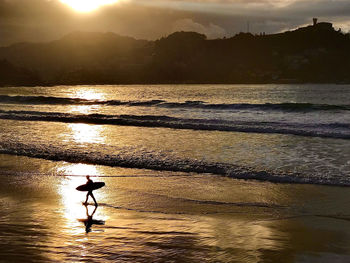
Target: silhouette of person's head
<point x="88" y="177"/>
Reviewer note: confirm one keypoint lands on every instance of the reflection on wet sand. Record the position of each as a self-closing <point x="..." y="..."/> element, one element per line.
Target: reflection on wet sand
<point x="164" y="218"/>
<point x="72" y="199"/>
<point x="89" y="221"/>
<point x="42" y="221"/>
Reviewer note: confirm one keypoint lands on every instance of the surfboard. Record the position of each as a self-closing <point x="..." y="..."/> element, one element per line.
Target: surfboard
<point x="90" y="187"/>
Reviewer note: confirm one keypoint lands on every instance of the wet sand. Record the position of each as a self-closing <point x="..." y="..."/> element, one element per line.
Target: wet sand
<point x="148" y="216"/>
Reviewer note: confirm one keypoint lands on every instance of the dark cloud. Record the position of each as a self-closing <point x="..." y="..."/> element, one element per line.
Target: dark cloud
<point x="44" y="20"/>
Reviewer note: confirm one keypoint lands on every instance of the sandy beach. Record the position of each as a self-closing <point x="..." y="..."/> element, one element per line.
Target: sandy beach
<point x="148" y="216"/>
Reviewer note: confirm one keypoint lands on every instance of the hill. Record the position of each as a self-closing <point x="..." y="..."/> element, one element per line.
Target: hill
<point x="315" y="54"/>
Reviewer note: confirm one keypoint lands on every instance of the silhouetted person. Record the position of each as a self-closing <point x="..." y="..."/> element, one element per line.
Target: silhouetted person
<point x="90" y="182"/>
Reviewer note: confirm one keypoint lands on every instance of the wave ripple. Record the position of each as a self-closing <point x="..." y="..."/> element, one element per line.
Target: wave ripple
<point x="327" y="130"/>
<point x="293" y="107"/>
<point x="146" y="160"/>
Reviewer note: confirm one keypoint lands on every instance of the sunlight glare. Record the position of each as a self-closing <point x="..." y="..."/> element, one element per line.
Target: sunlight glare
<point x="72" y="199"/>
<point x="78" y="169"/>
<point x="87" y="5"/>
<point x="86" y="133"/>
<point x="89" y="94"/>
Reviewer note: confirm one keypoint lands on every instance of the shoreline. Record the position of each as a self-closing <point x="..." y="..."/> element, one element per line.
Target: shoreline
<point x="166" y="217"/>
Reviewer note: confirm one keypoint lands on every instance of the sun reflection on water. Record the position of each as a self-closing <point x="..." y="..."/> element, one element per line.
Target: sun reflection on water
<point x="86" y="133"/>
<point x="89" y="93"/>
<point x="72" y="199"/>
<point x="84" y="109"/>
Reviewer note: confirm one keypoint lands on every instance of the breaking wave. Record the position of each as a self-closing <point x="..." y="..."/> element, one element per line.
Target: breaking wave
<point x="152" y="161"/>
<point x="329" y="130"/>
<point x="45" y="100"/>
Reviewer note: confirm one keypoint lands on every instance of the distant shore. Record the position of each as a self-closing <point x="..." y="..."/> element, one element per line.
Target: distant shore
<point x="173" y="83"/>
<point x="313" y="54"/>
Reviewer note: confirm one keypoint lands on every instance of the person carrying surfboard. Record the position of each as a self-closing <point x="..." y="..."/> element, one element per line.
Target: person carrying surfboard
<point x="89" y="187"/>
<point x="90" y="183"/>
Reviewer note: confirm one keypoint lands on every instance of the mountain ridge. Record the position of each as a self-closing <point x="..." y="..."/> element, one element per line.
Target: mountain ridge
<point x="316" y="53"/>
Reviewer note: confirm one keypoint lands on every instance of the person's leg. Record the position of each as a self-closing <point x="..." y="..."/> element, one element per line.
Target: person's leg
<point x="87" y="197"/>
<point x="94" y="199"/>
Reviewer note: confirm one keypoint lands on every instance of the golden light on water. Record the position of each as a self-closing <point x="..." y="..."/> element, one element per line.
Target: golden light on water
<point x="85" y="6"/>
<point x="83" y="109"/>
<point x="89" y="93"/>
<point x="71" y="198"/>
<point x="78" y="169"/>
<point x="86" y="133"/>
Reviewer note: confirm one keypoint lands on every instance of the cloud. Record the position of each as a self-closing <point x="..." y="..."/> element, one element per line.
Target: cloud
<point x="187" y="24"/>
<point x="44" y="20"/>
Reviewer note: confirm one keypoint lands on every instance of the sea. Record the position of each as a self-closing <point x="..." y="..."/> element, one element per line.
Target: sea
<point x="278" y="133"/>
<point x="188" y="170"/>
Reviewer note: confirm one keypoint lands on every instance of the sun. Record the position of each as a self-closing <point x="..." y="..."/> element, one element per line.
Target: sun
<point x="87" y="5"/>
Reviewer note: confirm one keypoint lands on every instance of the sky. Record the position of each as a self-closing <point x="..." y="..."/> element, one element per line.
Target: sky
<point x="46" y="20"/>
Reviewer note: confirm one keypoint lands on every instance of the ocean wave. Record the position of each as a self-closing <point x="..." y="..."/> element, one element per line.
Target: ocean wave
<point x="327" y="130"/>
<point x="152" y="161"/>
<point x="303" y="107"/>
<point x="38" y="100"/>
